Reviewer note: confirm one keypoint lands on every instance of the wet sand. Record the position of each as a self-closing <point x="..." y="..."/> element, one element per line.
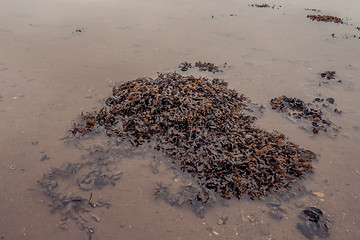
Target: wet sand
<point x="59" y="58"/>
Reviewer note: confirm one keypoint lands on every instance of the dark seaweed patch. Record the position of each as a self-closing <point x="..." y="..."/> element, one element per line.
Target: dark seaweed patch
<point x="199" y="200"/>
<point x="325" y="18"/>
<point x="203" y="127"/>
<point x="264" y="5"/>
<point x="328" y="75"/>
<point x="202" y="66"/>
<point x="312" y="9"/>
<point x="73" y="206"/>
<point x="314" y="223"/>
<point x="312" y="113"/>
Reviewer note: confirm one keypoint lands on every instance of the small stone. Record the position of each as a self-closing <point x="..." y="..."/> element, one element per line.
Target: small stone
<point x="95" y="218"/>
<point x="330" y="100"/>
<point x="319" y="194"/>
<point x="222" y="221"/>
<point x="251" y="218"/>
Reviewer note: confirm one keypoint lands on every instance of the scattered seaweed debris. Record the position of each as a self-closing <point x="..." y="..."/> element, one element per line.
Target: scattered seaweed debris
<point x="184" y="66"/>
<point x="329" y="76"/>
<point x="203" y="127"/>
<point x="76" y="207"/>
<point x="312" y="9"/>
<point x="188" y="194"/>
<point x="325" y="18"/>
<point x="203" y="66"/>
<point x="350" y="36"/>
<point x="97" y="179"/>
<point x="328" y="103"/>
<point x="78" y="31"/>
<point x="44" y="157"/>
<point x="298" y="109"/>
<point x="210" y="67"/>
<point x="260" y="5"/>
<point x="314" y="223"/>
<point x="264" y="6"/>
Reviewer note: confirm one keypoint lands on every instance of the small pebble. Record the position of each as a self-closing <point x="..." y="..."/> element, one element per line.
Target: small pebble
<point x="319" y="194"/>
<point x="330" y="100"/>
<point x="95" y="218"/>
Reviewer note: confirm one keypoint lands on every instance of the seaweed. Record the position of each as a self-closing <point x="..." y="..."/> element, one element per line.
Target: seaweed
<point x="202" y="66"/>
<point x="204" y="128"/>
<point x="297" y="109"/>
<point x="325" y="18"/>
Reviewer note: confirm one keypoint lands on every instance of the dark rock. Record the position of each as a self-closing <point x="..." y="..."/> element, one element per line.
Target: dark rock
<point x="314" y="223"/>
<point x="330" y="100"/>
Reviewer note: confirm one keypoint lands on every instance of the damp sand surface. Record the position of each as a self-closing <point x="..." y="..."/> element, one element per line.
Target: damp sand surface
<point x="59" y="58"/>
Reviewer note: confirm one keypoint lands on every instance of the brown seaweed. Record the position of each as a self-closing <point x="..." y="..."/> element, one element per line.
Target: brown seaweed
<point x="325" y="18"/>
<point x="202" y="66"/>
<point x="264" y="5"/>
<point x="297" y="109"/>
<point x="203" y="127"/>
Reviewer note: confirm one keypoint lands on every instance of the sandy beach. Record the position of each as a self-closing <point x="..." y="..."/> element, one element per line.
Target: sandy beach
<point x="61" y="58"/>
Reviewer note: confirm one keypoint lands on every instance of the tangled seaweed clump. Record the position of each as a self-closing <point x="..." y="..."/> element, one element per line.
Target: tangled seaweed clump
<point x="203" y="66"/>
<point x="260" y="5"/>
<point x="298" y="109"/>
<point x="328" y="75"/>
<point x="203" y="126"/>
<point x="325" y="18"/>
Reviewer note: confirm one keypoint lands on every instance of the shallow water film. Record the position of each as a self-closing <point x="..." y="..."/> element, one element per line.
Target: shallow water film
<point x="179" y="119"/>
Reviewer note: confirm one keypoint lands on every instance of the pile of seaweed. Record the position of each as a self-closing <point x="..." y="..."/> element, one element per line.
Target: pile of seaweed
<point x="298" y="109"/>
<point x="325" y="18"/>
<point x="203" y="127"/>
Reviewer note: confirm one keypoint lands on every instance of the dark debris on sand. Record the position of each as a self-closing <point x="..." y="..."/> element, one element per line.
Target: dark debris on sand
<point x="202" y="126"/>
<point x="314" y="223"/>
<point x="264" y="5"/>
<point x="325" y="18"/>
<point x="298" y="109"/>
<point x="198" y="200"/>
<point x="202" y="66"/>
<point x="312" y="9"/>
<point x="72" y="206"/>
<point x="260" y="5"/>
<point x="329" y="76"/>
